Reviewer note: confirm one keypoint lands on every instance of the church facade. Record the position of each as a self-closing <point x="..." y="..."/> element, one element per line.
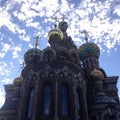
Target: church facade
<point x="62" y="82"/>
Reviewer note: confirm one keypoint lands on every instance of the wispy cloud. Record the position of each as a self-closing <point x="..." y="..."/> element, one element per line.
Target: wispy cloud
<point x="15" y="51"/>
<point x="2" y="96"/>
<point x="6" y="81"/>
<point x="4" y="70"/>
<point x="91" y="15"/>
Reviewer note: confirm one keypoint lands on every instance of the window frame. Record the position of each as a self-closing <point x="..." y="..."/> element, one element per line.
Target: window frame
<point x="65" y="98"/>
<point x="48" y="97"/>
<point x="30" y="103"/>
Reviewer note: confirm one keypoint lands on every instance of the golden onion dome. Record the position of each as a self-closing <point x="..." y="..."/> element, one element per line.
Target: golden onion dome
<point x="17" y="81"/>
<point x="97" y="74"/>
<point x="55" y="32"/>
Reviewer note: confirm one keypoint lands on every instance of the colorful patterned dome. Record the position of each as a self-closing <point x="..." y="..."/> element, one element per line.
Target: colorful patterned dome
<point x="17" y="81"/>
<point x="32" y="55"/>
<point x="89" y="50"/>
<point x="63" y="26"/>
<point x="97" y="74"/>
<point x="55" y="33"/>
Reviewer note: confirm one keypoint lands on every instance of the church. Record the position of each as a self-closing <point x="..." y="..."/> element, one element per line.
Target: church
<point x="62" y="82"/>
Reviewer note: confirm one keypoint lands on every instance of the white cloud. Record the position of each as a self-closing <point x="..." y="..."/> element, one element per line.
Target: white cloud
<point x="6" y="81"/>
<point x="5" y="19"/>
<point x="116" y="9"/>
<point x="4" y="70"/>
<point x="2" y="55"/>
<point x="2" y="97"/>
<point x="15" y="51"/>
<point x="24" y="38"/>
<point x="6" y="47"/>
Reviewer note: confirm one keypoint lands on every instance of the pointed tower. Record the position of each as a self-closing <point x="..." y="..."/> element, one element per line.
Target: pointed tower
<point x="101" y="104"/>
<point x="55" y="36"/>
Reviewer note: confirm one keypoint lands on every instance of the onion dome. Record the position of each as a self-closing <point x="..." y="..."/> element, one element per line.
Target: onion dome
<point x="32" y="55"/>
<point x="55" y="33"/>
<point x="17" y="81"/>
<point x="63" y="26"/>
<point x="97" y="74"/>
<point x="89" y="50"/>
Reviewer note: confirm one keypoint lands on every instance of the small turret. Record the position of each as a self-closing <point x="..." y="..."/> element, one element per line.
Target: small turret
<point x="89" y="54"/>
<point x="33" y="55"/>
<point x="55" y="36"/>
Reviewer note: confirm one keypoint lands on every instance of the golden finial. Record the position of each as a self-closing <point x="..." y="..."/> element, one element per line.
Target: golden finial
<point x="37" y="39"/>
<point x="86" y="35"/>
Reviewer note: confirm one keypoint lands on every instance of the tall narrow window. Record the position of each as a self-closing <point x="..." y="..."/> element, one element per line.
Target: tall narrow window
<point x="65" y="100"/>
<point x="78" y="103"/>
<point x="30" y="103"/>
<point x="46" y="99"/>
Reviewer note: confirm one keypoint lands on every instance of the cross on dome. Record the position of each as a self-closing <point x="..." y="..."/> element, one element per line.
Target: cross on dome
<point x="55" y="21"/>
<point x="63" y="17"/>
<point x="37" y="40"/>
<point x="58" y="18"/>
<point x="86" y="35"/>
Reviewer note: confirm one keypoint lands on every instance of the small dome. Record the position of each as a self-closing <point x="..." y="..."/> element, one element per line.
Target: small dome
<point x="17" y="81"/>
<point x="55" y="33"/>
<point x="63" y="26"/>
<point x="32" y="55"/>
<point x="89" y="50"/>
<point x="97" y="74"/>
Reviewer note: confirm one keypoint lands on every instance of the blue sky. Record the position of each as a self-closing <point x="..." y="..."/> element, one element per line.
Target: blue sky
<point x="22" y="20"/>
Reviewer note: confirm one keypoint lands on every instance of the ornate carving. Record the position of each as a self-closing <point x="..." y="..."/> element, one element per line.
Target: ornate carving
<point x="48" y="55"/>
<point x="42" y="75"/>
<point x="66" y="69"/>
<point x="61" y="75"/>
<point x="62" y="53"/>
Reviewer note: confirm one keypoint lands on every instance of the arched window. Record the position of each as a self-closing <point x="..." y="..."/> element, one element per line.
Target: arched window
<point x="65" y="100"/>
<point x="30" y="103"/>
<point x="46" y="99"/>
<point x="78" y="103"/>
